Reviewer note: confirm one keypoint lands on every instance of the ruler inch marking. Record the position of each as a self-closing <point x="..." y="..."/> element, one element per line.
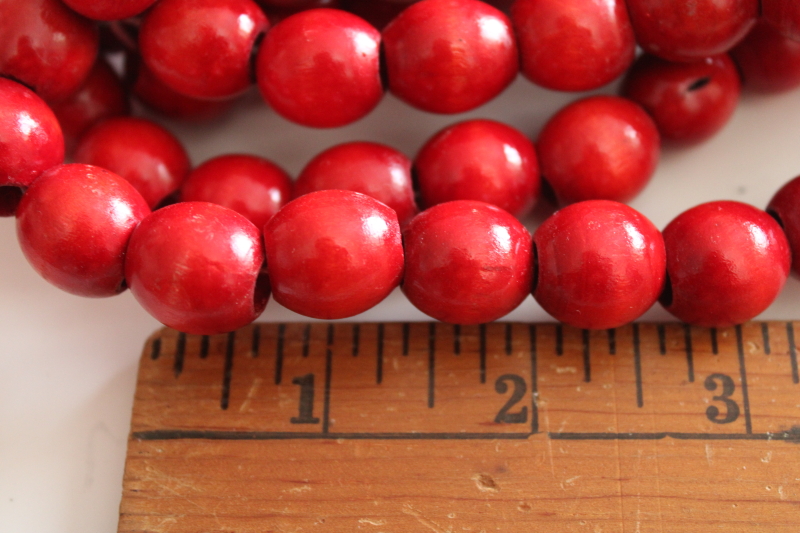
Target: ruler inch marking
<point x="482" y="335"/>
<point x="637" y="364"/>
<point x="559" y="340"/>
<point x="714" y="344"/>
<point x="431" y="362"/>
<point x="180" y="351"/>
<point x="743" y="373"/>
<point x="687" y="342"/>
<point x="534" y="381"/>
<point x="406" y="333"/>
<point x="306" y="339"/>
<point x="204" y="346"/>
<point x="792" y="352"/>
<point x="662" y="339"/>
<point x="765" y="336"/>
<point x="227" y="372"/>
<point x="508" y="338"/>
<point x="456" y="339"/>
<point x="255" y="345"/>
<point x="326" y="400"/>
<point x="279" y="354"/>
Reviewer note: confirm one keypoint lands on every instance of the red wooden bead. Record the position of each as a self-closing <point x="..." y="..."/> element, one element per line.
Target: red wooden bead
<point x="689" y="102"/>
<point x="600" y="264"/>
<point x="449" y="56"/>
<point x="479" y="160"/>
<point x="769" y="62"/>
<point x="785" y="207"/>
<point x="109" y="9"/>
<point x="46" y="46"/>
<point x="73" y="225"/>
<point x="600" y="147"/>
<point x="369" y="168"/>
<point x="689" y="31"/>
<point x="277" y="10"/>
<point x="573" y="45"/>
<point x="153" y="93"/>
<point x="202" y="48"/>
<point x="333" y="254"/>
<point x="784" y="15"/>
<point x="139" y="150"/>
<point x="251" y="186"/>
<point x="101" y="96"/>
<point x="726" y="263"/>
<point x="196" y="267"/>
<point x="321" y="68"/>
<point x="467" y="262"/>
<point x="30" y="137"/>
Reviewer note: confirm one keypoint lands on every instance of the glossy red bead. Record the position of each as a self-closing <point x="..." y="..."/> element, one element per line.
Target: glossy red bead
<point x="479" y="160"/>
<point x="784" y="15"/>
<point x="153" y="93"/>
<point x="366" y="167"/>
<point x="333" y="254"/>
<point x="46" y="46"/>
<point x="573" y="45"/>
<point x="202" y="48"/>
<point x="144" y="153"/>
<point x="467" y="262"/>
<point x="250" y="185"/>
<point x="277" y="10"/>
<point x="197" y="267"/>
<point x="109" y="9"/>
<point x="31" y="140"/>
<point x="449" y="56"/>
<point x="100" y="97"/>
<point x="726" y="263"/>
<point x="689" y="31"/>
<point x="321" y="68"/>
<point x="73" y="225"/>
<point x="600" y="264"/>
<point x="769" y="62"/>
<point x="785" y="207"/>
<point x="689" y="102"/>
<point x="600" y="147"/>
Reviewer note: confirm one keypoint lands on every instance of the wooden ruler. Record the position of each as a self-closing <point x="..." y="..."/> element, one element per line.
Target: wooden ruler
<point x="428" y="427"/>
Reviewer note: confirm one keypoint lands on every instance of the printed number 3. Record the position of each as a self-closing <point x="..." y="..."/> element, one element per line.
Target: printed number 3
<point x="731" y="407"/>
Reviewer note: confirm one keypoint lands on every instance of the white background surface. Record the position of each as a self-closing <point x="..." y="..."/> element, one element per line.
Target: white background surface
<point x="68" y="365"/>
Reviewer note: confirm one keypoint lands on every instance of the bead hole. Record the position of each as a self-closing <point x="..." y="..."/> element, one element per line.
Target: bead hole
<point x="10" y="195"/>
<point x="774" y="214"/>
<point x="700" y="83"/>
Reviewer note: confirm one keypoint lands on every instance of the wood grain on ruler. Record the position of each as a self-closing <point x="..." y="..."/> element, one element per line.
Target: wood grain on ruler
<point x="430" y="427"/>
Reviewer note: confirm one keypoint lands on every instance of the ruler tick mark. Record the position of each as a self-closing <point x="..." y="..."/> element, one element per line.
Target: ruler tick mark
<point x="180" y="351"/>
<point x="765" y="336"/>
<point x="482" y="330"/>
<point x="279" y="354"/>
<point x="534" y="381"/>
<point x="637" y="364"/>
<point x="256" y="345"/>
<point x="662" y="339"/>
<point x="356" y="335"/>
<point x="687" y="340"/>
<point x="379" y="357"/>
<point x="457" y="339"/>
<point x="508" y="339"/>
<point x="612" y="341"/>
<point x="743" y="373"/>
<point x="326" y="401"/>
<point x="714" y="345"/>
<point x="204" y="342"/>
<point x="559" y="340"/>
<point x="306" y="339"/>
<point x="587" y="365"/>
<point x="155" y="349"/>
<point x="406" y="331"/>
<point x="227" y="372"/>
<point x="431" y="361"/>
<point x="792" y="352"/>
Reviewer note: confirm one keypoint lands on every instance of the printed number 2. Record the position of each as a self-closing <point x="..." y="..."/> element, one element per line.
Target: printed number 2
<point x="731" y="407"/>
<point x="306" y="400"/>
<point x="521" y="416"/>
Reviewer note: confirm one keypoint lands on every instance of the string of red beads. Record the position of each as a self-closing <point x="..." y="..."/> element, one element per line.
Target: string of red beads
<point x="333" y="254"/>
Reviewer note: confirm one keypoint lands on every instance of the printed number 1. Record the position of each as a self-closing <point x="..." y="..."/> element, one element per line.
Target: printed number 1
<point x="306" y="400"/>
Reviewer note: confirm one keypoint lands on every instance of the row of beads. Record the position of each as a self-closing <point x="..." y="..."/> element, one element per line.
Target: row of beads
<point x="322" y="67"/>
